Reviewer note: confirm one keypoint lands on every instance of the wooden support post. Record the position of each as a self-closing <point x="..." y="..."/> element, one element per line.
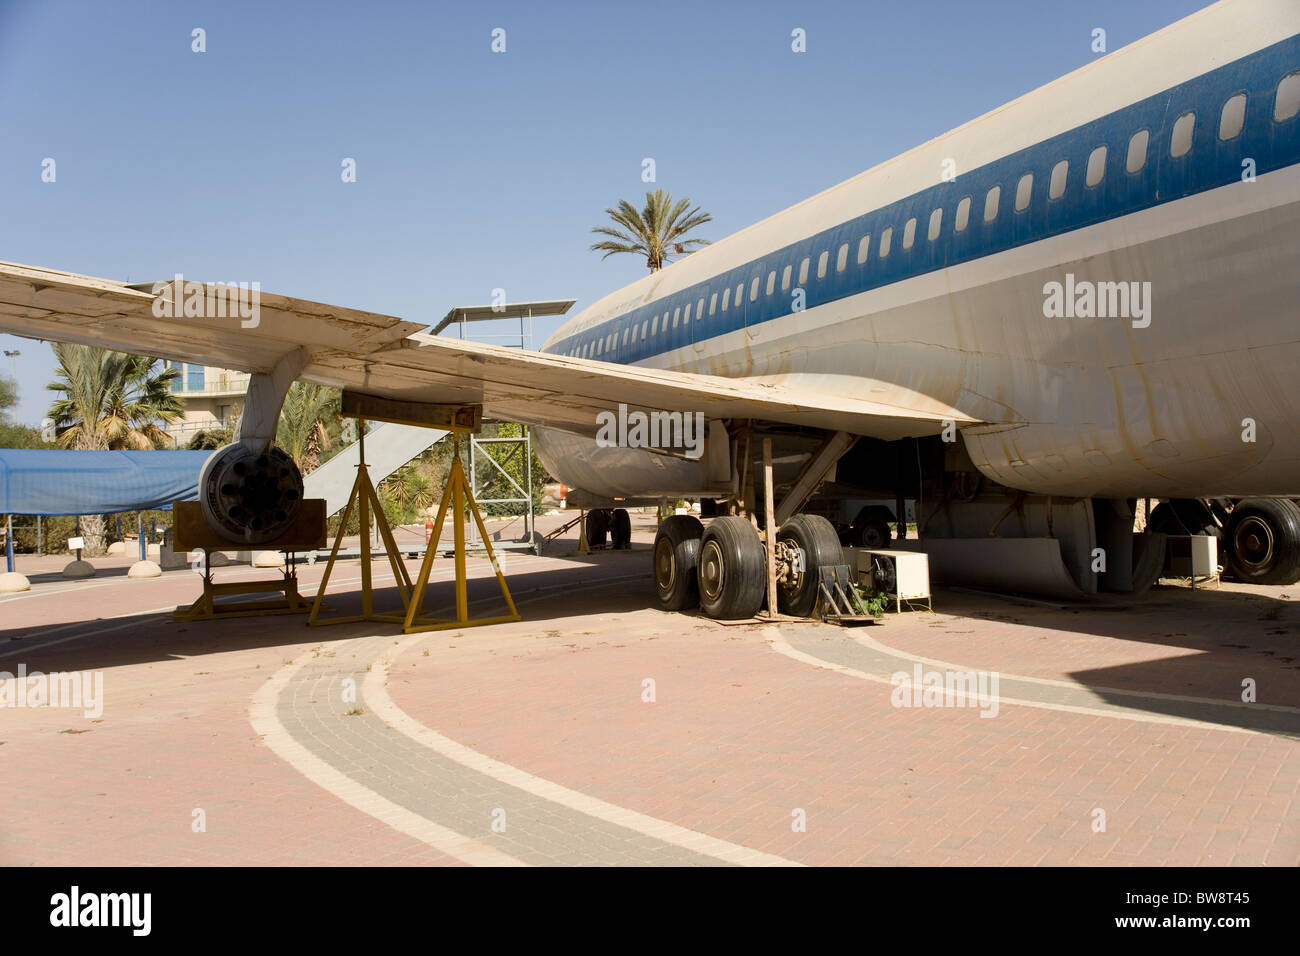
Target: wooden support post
<point x="769" y="520"/>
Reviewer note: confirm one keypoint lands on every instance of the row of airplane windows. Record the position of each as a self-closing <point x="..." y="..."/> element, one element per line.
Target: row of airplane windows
<point x="1232" y="118"/>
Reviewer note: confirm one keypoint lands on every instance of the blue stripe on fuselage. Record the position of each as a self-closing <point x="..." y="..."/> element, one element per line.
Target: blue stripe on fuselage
<point x="1210" y="163"/>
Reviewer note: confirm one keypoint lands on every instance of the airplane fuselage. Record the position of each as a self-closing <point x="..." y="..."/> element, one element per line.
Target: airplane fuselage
<point x="1164" y="196"/>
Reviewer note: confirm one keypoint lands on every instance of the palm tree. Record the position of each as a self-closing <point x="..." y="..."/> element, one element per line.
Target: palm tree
<point x="309" y="423"/>
<point x="409" y="489"/>
<point x="109" y="401"/>
<point x="655" y="232"/>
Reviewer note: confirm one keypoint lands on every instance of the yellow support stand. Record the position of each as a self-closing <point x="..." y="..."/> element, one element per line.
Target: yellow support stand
<point x="457" y="494"/>
<point x="366" y="500"/>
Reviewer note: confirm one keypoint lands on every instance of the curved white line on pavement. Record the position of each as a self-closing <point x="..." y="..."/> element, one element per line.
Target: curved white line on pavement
<point x="778" y="644"/>
<point x="262" y="713"/>
<point x="382" y="706"/>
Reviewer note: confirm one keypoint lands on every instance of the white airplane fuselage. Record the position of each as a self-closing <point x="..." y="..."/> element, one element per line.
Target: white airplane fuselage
<point x="1002" y="306"/>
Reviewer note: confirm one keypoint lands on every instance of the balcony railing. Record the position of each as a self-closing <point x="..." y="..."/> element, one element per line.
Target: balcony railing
<point x="211" y="386"/>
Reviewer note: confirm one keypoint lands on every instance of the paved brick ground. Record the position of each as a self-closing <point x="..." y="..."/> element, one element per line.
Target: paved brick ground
<point x="739" y="738"/>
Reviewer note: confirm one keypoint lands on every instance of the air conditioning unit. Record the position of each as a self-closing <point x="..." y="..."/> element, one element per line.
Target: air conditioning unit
<point x="1195" y="557"/>
<point x="903" y="575"/>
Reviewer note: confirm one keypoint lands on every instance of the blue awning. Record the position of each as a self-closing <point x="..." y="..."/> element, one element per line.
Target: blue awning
<point x="54" y="482"/>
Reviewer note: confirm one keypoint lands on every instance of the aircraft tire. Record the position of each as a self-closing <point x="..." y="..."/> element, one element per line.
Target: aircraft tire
<point x="620" y="530"/>
<point x="676" y="561"/>
<point x="816" y="538"/>
<point x="598" y="521"/>
<point x="732" y="569"/>
<point x="1263" y="541"/>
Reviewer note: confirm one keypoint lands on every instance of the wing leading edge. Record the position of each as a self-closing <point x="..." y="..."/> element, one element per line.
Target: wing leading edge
<point x="386" y="356"/>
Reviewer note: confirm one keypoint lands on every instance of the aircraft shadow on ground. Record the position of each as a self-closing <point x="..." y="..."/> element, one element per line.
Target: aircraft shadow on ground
<point x="1231" y="636"/>
<point x="541" y="596"/>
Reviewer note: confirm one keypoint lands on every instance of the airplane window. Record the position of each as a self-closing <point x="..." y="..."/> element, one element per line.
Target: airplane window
<point x="654" y="325"/>
<point x="600" y="347"/>
<point x="686" y="315"/>
<point x="1024" y="191"/>
<point x="822" y="260"/>
<point x="803" y="271"/>
<point x="677" y="314"/>
<point x="740" y="293"/>
<point x="699" y="309"/>
<point x="713" y="303"/>
<point x="1181" y="140"/>
<point x="936" y="223"/>
<point x="645" y="327"/>
<point x="963" y="213"/>
<point x="726" y="298"/>
<point x="863" y="248"/>
<point x="842" y="258"/>
<point x="1137" y="151"/>
<point x="1096" y="166"/>
<point x="909" y="233"/>
<point x="1233" y="116"/>
<point x="1056" y="186"/>
<point x="625" y="334"/>
<point x="785" y="278"/>
<point x="1288" y="98"/>
<point x="753" y="290"/>
<point x="886" y="237"/>
<point x="991" y="201"/>
<point x="771" y="282"/>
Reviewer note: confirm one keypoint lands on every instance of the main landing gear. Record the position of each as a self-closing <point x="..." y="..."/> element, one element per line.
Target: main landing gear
<point x="722" y="568"/>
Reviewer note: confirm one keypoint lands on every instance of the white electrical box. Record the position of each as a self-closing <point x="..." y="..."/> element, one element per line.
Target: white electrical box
<point x="1195" y="557"/>
<point x="903" y="575"/>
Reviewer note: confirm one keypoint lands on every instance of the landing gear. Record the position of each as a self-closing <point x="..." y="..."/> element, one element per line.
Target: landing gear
<point x="870" y="529"/>
<point x="613" y="522"/>
<point x="597" y="527"/>
<point x="732" y="569"/>
<point x="1262" y="543"/>
<point x="1182" y="516"/>
<point x="677" y="551"/>
<point x="620" y="530"/>
<point x="805" y="544"/>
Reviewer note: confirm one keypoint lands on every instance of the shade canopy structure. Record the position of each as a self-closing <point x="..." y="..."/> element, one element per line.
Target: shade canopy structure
<point x="51" y="482"/>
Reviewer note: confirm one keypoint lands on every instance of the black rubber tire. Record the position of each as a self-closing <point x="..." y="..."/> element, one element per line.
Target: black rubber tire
<point x="597" y="527"/>
<point x="1262" y="542"/>
<point x="1182" y="516"/>
<point x="676" y="562"/>
<point x="816" y="538"/>
<point x="732" y="569"/>
<point x="620" y="530"/>
<point x="872" y="533"/>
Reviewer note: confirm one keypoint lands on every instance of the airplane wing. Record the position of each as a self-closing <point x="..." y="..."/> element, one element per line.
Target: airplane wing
<point x="391" y="358"/>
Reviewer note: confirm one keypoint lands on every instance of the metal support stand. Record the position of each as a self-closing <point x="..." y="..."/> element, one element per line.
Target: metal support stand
<point x="460" y="497"/>
<point x="479" y="449"/>
<point x="364" y="498"/>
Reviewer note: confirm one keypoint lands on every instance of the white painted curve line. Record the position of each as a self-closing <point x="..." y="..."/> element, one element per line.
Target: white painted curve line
<point x="380" y="704"/>
<point x="262" y="714"/>
<point x="778" y="644"/>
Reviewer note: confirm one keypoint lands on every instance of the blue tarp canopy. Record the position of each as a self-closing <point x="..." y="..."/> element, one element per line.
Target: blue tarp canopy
<point x="54" y="482"/>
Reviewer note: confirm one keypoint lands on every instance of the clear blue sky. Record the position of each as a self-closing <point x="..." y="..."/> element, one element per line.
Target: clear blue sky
<point x="475" y="170"/>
